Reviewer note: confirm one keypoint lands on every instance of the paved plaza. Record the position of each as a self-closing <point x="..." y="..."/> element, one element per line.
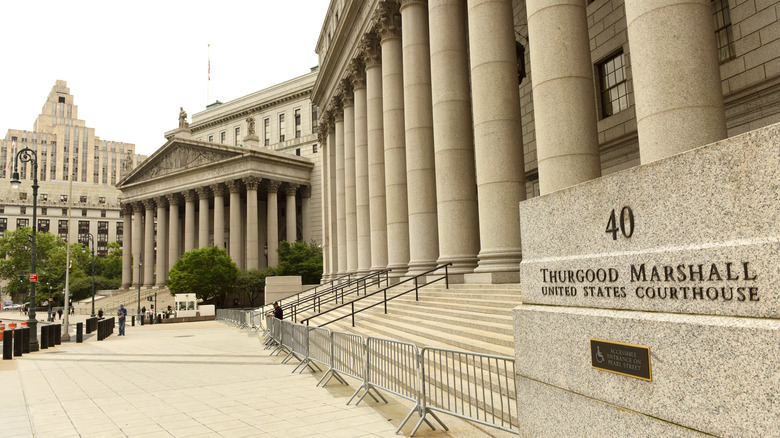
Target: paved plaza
<point x="202" y="379"/>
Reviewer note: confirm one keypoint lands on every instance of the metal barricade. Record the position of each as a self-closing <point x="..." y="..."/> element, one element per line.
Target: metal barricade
<point x="321" y="350"/>
<point x="299" y="348"/>
<point x="348" y="358"/>
<point x="473" y="386"/>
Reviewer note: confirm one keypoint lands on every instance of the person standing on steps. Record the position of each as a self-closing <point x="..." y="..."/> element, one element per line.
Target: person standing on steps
<point x="122" y="314"/>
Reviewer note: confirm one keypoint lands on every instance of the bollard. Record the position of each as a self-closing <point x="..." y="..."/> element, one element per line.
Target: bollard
<point x="44" y="341"/>
<point x="7" y="345"/>
<point x="132" y="321"/>
<point x="100" y="330"/>
<point x="25" y="340"/>
<point x="141" y="317"/>
<point x="79" y="332"/>
<point x="18" y="341"/>
<point x="51" y="335"/>
<point x="57" y="334"/>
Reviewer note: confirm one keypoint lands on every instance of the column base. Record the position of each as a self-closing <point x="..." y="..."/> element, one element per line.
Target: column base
<point x="498" y="277"/>
<point x="398" y="271"/>
<point x="416" y="268"/>
<point x="460" y="265"/>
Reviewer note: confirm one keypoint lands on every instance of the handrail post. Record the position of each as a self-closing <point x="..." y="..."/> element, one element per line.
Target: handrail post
<point x="446" y="277"/>
<point x="416" y="290"/>
<point x="353" y="313"/>
<point x="385" y="300"/>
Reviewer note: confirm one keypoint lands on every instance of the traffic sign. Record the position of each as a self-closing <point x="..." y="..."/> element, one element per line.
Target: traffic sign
<point x="33" y="278"/>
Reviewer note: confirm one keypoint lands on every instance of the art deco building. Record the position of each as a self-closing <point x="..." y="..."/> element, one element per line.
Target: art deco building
<point x="442" y="115"/>
<point x="66" y="149"/>
<point x="240" y="176"/>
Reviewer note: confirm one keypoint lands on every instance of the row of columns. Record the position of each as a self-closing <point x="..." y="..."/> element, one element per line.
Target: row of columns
<point x="139" y="226"/>
<point x="426" y="121"/>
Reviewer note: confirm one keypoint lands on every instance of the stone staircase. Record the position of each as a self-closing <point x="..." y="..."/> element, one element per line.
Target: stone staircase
<point x="129" y="298"/>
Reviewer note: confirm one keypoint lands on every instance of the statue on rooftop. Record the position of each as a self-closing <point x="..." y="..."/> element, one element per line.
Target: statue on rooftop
<point x="183" y="118"/>
<point x="251" y="121"/>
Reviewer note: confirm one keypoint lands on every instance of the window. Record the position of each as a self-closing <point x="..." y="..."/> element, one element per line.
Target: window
<point x="3" y="224"/>
<point x="64" y="211"/>
<point x="102" y="213"/>
<point x="63" y="198"/>
<point x="83" y="231"/>
<point x="723" y="35"/>
<point x="22" y="210"/>
<point x="61" y="99"/>
<point x="44" y="211"/>
<point x="612" y="78"/>
<point x="297" y="119"/>
<point x="237" y="135"/>
<point x="298" y="152"/>
<point x="83" y="198"/>
<point x="267" y="131"/>
<point x="2" y="209"/>
<point x="62" y="229"/>
<point x="222" y="137"/>
<point x="83" y="211"/>
<point x="314" y="117"/>
<point x="101" y="200"/>
<point x="102" y="238"/>
<point x="44" y="197"/>
<point x="314" y="149"/>
<point x="211" y="139"/>
<point x="21" y="223"/>
<point x="43" y="225"/>
<point x="119" y="233"/>
<point x="23" y="196"/>
<point x="281" y="127"/>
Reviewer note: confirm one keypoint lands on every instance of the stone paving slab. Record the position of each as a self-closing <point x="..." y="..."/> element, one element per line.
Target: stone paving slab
<point x="202" y="379"/>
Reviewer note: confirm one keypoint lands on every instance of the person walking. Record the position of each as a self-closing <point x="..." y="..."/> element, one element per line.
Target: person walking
<point x="122" y="314"/>
<point x="59" y="313"/>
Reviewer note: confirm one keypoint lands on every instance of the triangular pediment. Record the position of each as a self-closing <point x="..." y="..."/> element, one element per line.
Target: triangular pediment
<point x="178" y="156"/>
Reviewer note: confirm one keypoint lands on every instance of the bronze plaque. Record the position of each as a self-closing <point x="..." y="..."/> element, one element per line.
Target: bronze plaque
<point x="617" y="357"/>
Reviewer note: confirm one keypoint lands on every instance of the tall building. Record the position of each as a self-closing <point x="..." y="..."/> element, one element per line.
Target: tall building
<point x="442" y="115"/>
<point x="243" y="176"/>
<point x="66" y="149"/>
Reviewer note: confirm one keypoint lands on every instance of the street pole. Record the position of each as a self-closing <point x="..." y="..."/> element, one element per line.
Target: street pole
<point x="65" y="333"/>
<point x="91" y="239"/>
<point x="139" y="285"/>
<point x="28" y="155"/>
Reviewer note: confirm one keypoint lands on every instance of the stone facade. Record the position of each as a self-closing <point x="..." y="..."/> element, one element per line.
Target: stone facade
<point x="66" y="147"/>
<point x="217" y="181"/>
<point x="458" y="141"/>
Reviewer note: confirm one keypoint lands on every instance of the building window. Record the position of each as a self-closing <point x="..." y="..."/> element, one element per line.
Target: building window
<point x="21" y="223"/>
<point x="23" y="196"/>
<point x="314" y="149"/>
<point x="102" y="238"/>
<point x="237" y="135"/>
<point x="281" y="127"/>
<point x="298" y="152"/>
<point x="83" y="231"/>
<point x="44" y="211"/>
<point x="62" y="229"/>
<point x="64" y="211"/>
<point x="43" y="225"/>
<point x="102" y="213"/>
<point x="83" y="198"/>
<point x="612" y="78"/>
<point x="44" y="197"/>
<point x="2" y="209"/>
<point x="3" y="224"/>
<point x="22" y="210"/>
<point x="267" y="131"/>
<point x="102" y="200"/>
<point x="63" y="198"/>
<point x="222" y="137"/>
<point x="297" y="117"/>
<point x="211" y="139"/>
<point x="314" y="117"/>
<point x="119" y="233"/>
<point x="84" y="212"/>
<point x="725" y="40"/>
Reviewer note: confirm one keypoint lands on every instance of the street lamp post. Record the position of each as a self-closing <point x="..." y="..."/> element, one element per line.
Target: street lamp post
<point x="28" y="155"/>
<point x="139" y="286"/>
<point x="91" y="239"/>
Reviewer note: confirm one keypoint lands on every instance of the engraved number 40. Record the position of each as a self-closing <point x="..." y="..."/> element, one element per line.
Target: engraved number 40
<point x="624" y="223"/>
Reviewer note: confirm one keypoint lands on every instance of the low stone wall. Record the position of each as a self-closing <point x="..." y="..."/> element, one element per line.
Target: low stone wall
<point x="189" y="319"/>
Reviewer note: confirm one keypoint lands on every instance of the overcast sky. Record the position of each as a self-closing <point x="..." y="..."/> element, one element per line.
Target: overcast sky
<point x="131" y="65"/>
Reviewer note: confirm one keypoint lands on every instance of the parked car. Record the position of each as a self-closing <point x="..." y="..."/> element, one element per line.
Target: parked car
<point x="13" y="307"/>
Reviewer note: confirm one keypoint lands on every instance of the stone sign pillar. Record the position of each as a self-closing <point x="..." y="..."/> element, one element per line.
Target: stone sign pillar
<point x="651" y="298"/>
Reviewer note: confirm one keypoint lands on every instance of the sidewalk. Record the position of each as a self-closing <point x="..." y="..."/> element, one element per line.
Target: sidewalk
<point x="175" y="380"/>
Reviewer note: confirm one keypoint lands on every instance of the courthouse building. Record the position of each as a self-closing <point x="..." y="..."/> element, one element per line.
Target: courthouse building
<point x="66" y="149"/>
<point x="239" y="177"/>
<point x="436" y="132"/>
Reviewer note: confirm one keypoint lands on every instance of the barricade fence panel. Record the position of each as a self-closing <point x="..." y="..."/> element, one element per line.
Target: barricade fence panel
<point x="300" y="340"/>
<point x="287" y="334"/>
<point x="349" y="354"/>
<point x="393" y="366"/>
<point x="320" y="345"/>
<point x="473" y="386"/>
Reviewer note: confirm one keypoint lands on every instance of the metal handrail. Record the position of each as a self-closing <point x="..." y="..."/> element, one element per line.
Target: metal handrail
<point x="385" y="298"/>
<point x="330" y="286"/>
<point x="343" y="290"/>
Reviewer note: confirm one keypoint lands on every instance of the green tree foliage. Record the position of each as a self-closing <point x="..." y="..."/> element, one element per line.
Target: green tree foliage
<point x="110" y="266"/>
<point x="15" y="260"/>
<point x="209" y="273"/>
<point x="252" y="284"/>
<point x="300" y="258"/>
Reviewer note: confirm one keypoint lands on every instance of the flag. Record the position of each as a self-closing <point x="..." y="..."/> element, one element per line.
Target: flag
<point x="209" y="61"/>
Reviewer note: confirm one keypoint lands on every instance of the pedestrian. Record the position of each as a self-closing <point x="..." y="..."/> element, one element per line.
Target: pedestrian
<point x="122" y="314"/>
<point x="278" y="314"/>
<point x="100" y="314"/>
<point x="59" y="313"/>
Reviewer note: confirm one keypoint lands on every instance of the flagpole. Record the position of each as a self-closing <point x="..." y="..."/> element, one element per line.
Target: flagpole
<point x="208" y="84"/>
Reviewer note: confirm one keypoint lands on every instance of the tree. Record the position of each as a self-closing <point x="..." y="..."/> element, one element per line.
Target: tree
<point x="209" y="273"/>
<point x="252" y="284"/>
<point x="300" y="258"/>
<point x="110" y="266"/>
<point x="15" y="249"/>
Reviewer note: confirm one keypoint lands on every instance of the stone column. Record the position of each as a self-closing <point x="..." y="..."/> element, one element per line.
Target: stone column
<point x="235" y="222"/>
<point x="348" y="103"/>
<point x="272" y="235"/>
<point x="219" y="215"/>
<point x="389" y="30"/>
<point x="291" y="212"/>
<point x="189" y="220"/>
<point x="162" y="241"/>
<point x="358" y="79"/>
<point x="306" y="213"/>
<point x="252" y="226"/>
<point x="174" y="239"/>
<point x="567" y="145"/>
<point x="456" y="181"/>
<point x="138" y="241"/>
<point x="127" y="244"/>
<point x="203" y="216"/>
<point x="149" y="244"/>
<point x="499" y="158"/>
<point x="676" y="76"/>
<point x="341" y="208"/>
<point x="418" y="120"/>
<point x="262" y="230"/>
<point x="332" y="208"/>
<point x="322" y="137"/>
<point x="375" y="151"/>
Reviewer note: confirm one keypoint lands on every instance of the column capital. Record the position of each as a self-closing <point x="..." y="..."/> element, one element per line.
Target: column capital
<point x="173" y="198"/>
<point x="189" y="195"/>
<point x="138" y="207"/>
<point x="217" y="189"/>
<point x="322" y="134"/>
<point x="305" y="191"/>
<point x="357" y="74"/>
<point x="252" y="182"/>
<point x="149" y="204"/>
<point x="127" y="208"/>
<point x="161" y="201"/>
<point x="203" y="192"/>
<point x="273" y="186"/>
<point x="291" y="189"/>
<point x="345" y="92"/>
<point x="233" y="186"/>
<point x="405" y="3"/>
<point x="388" y="20"/>
<point x="370" y="50"/>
